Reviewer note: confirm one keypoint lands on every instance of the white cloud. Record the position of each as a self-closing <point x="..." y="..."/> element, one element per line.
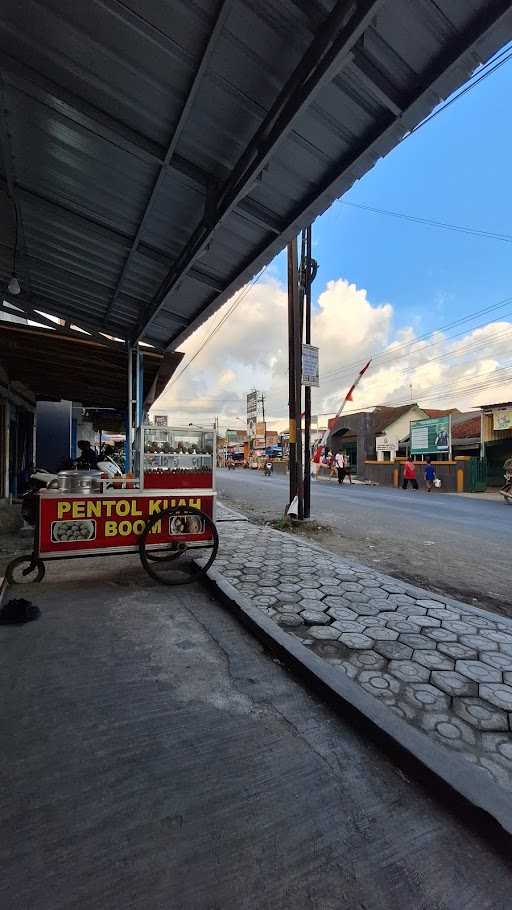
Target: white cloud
<point x="250" y="351"/>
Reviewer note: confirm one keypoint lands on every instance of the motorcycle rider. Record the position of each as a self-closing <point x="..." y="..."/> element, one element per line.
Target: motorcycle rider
<point x="506" y="490"/>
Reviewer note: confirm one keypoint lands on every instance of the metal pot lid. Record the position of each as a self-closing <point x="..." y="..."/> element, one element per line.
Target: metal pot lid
<point x="82" y="473"/>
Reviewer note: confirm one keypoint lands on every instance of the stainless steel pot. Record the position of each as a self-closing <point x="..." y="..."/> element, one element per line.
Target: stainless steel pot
<point x="79" y="481"/>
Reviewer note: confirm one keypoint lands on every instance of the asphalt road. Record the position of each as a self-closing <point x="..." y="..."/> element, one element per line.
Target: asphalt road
<point x="448" y="543"/>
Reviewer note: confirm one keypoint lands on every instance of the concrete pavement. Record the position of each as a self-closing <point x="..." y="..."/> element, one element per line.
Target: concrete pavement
<point x="155" y="757"/>
<point x="447" y="543"/>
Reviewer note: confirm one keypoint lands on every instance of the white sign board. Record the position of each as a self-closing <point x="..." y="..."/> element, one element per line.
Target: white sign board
<point x="252" y="414"/>
<point x="502" y="419"/>
<point x="310" y="370"/>
<point x="386" y="443"/>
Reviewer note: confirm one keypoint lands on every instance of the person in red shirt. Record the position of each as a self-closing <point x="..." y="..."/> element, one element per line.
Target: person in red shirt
<point x="409" y="474"/>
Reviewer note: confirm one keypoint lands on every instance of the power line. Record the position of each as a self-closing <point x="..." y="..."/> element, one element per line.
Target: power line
<point x="487" y="70"/>
<point x="489" y="235"/>
<point x="390" y="354"/>
<point x="241" y="295"/>
<point x="448" y="355"/>
<point x="462" y="387"/>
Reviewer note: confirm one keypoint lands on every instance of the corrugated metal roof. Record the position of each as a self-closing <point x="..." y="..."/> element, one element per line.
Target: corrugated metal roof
<point x="161" y="151"/>
<point x="54" y="365"/>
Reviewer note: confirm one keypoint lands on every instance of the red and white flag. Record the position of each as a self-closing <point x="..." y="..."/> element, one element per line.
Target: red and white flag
<point x="348" y="396"/>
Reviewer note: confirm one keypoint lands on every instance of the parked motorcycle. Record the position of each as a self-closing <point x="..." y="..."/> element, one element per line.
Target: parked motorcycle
<point x="41" y="479"/>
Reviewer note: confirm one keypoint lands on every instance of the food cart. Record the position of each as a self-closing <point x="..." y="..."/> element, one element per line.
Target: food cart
<point x="166" y="512"/>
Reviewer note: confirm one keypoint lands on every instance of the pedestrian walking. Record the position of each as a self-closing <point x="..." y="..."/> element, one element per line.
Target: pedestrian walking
<point x="409" y="474"/>
<point x="430" y="474"/>
<point x="348" y="469"/>
<point x="315" y="462"/>
<point x="340" y="466"/>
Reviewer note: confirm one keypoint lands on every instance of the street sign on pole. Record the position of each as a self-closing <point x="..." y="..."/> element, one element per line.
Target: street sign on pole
<point x="310" y="368"/>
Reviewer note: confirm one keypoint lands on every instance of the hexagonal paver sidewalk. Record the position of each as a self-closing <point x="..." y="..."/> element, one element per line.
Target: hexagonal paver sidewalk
<point x="443" y="666"/>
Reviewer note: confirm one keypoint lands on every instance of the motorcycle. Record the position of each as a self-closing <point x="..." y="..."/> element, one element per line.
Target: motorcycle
<point x="41" y="479"/>
<point x="506" y="490"/>
<point x="268" y="469"/>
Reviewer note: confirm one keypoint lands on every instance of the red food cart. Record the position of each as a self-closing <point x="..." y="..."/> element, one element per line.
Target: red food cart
<point x="166" y="513"/>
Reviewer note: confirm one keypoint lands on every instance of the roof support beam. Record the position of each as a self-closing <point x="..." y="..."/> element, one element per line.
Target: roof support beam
<point x="377" y="83"/>
<point x="223" y="12"/>
<point x="321" y="62"/>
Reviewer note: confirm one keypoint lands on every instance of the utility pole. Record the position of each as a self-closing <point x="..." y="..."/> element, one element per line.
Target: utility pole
<point x="262" y="399"/>
<point x="292" y="412"/>
<point x="298" y="337"/>
<point x="307" y="391"/>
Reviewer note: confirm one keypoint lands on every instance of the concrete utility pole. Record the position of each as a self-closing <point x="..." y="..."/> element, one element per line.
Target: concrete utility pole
<point x="299" y="306"/>
<point x="292" y="411"/>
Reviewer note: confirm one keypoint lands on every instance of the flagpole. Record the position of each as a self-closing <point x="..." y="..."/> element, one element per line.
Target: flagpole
<point x="348" y="396"/>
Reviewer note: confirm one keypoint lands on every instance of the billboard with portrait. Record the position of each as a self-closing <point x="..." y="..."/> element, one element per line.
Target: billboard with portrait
<point x="252" y="414"/>
<point x="431" y="436"/>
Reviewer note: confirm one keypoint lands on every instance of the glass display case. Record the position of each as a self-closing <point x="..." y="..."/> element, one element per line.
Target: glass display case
<point x="177" y="456"/>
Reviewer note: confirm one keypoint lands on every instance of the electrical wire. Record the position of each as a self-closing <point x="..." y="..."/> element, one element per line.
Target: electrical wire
<point x="390" y="354"/>
<point x="464" y="386"/>
<point x="488" y="69"/>
<point x="236" y="303"/>
<point x="429" y="222"/>
<point x="484" y="72"/>
<point x="447" y="356"/>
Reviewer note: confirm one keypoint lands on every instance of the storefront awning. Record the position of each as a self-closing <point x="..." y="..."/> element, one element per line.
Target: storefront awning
<point x="56" y="366"/>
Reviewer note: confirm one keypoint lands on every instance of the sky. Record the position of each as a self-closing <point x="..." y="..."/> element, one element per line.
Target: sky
<point x="386" y="287"/>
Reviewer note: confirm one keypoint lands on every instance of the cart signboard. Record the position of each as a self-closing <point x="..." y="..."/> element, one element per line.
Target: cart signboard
<point x="78" y="524"/>
<point x="431" y="436"/>
<point x="310" y="369"/>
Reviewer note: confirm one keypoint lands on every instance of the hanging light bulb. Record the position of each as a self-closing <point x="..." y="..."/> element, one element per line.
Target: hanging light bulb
<point x="14" y="286"/>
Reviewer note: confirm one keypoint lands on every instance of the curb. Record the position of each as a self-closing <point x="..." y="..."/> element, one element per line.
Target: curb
<point x="450" y="779"/>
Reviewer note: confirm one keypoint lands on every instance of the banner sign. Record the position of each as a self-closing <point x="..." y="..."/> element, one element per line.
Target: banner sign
<point x="161" y="420"/>
<point x="502" y="419"/>
<point x="310" y="367"/>
<point x="431" y="435"/>
<point x="74" y="523"/>
<point x="252" y="414"/>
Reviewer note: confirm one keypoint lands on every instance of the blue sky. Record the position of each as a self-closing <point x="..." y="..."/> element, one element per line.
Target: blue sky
<point x="454" y="169"/>
<point x="390" y="275"/>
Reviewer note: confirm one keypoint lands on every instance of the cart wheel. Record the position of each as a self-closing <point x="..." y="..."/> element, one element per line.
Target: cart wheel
<point x="24" y="570"/>
<point x="175" y="562"/>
